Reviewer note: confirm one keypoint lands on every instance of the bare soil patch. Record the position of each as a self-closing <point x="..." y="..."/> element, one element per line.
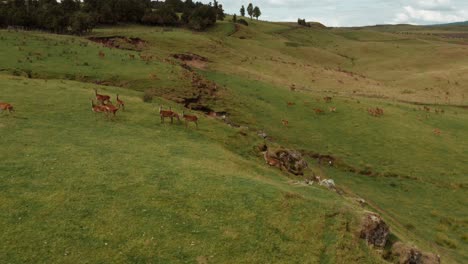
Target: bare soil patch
<point x="192" y="60"/>
<point x="120" y="42"/>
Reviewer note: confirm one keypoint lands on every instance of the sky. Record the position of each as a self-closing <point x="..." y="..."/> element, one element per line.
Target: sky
<point x="342" y="13"/>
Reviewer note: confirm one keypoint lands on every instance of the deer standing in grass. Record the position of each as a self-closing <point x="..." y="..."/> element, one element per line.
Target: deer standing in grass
<point x="101" y="97"/>
<point x="327" y="99"/>
<point x="318" y="111"/>
<point x="111" y="109"/>
<point x="167" y="114"/>
<point x="120" y="103"/>
<point x="97" y="108"/>
<point x="6" y="107"/>
<point x="190" y="118"/>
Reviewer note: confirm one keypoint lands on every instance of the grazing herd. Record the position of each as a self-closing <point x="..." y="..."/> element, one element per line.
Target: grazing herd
<point x="105" y="106"/>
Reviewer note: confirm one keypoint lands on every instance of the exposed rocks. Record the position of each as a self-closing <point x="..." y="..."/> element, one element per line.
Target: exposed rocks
<point x="405" y="254"/>
<point x="374" y="230"/>
<point x="292" y="160"/>
<point x="329" y="183"/>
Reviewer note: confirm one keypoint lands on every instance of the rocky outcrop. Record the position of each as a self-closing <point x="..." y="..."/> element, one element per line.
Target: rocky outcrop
<point x="292" y="160"/>
<point x="404" y="254"/>
<point x="374" y="230"/>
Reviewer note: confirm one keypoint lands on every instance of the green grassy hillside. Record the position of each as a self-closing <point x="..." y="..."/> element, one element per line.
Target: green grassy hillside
<point x="76" y="186"/>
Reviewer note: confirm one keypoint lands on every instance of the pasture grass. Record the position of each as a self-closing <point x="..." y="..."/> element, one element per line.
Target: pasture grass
<point x="133" y="190"/>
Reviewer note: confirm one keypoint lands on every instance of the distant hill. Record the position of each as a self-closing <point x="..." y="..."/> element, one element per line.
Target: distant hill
<point x="465" y="23"/>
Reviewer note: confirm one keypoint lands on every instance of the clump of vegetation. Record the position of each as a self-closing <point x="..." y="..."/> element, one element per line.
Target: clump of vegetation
<point x="74" y="17"/>
<point x="302" y="22"/>
<point x="243" y="22"/>
<point x="148" y="95"/>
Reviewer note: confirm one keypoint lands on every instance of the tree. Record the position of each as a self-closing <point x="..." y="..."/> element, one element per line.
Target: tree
<point x="250" y="9"/>
<point x="242" y="11"/>
<point x="234" y="18"/>
<point x="220" y="12"/>
<point x="81" y="23"/>
<point x="257" y="12"/>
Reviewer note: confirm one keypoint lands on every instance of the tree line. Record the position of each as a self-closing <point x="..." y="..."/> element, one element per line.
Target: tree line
<point x="78" y="17"/>
<point x="251" y="11"/>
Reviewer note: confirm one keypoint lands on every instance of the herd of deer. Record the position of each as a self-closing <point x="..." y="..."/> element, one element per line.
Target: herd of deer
<point x="107" y="107"/>
<point x="377" y="112"/>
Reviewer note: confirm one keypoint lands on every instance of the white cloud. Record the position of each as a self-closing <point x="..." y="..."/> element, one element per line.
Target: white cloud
<point x="430" y="12"/>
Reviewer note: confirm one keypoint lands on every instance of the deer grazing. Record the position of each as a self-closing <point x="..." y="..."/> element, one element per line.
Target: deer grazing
<point x="291" y="104"/>
<point x="332" y="109"/>
<point x="110" y="108"/>
<point x="190" y="118"/>
<point x="6" y="107"/>
<point x="377" y="112"/>
<point x="101" y="97"/>
<point x="285" y="122"/>
<point x="97" y="108"/>
<point x="437" y="132"/>
<point x="167" y="114"/>
<point x="102" y="55"/>
<point x="318" y="111"/>
<point x="120" y="103"/>
<point x="327" y="99"/>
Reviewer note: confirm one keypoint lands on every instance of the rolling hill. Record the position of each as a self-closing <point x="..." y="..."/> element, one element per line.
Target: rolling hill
<point x="80" y="187"/>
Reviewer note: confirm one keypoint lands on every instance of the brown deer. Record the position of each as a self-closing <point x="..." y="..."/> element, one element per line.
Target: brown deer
<point x="167" y="114"/>
<point x="332" y="109"/>
<point x="120" y="103"/>
<point x="272" y="161"/>
<point x="437" y="132"/>
<point x="190" y="118"/>
<point x="102" y="55"/>
<point x="285" y="122"/>
<point x="318" y="111"/>
<point x="101" y="97"/>
<point x="291" y="104"/>
<point x="97" y="108"/>
<point x="327" y="99"/>
<point x="6" y="107"/>
<point x="110" y="108"/>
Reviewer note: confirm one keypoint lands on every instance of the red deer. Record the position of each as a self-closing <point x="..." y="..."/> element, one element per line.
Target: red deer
<point x="427" y="109"/>
<point x="168" y="114"/>
<point x="327" y="99"/>
<point x="377" y="112"/>
<point x="332" y="109"/>
<point x="437" y="132"/>
<point x="102" y="55"/>
<point x="190" y="118"/>
<point x="285" y="122"/>
<point x="318" y="111"/>
<point x="272" y="161"/>
<point x="120" y="103"/>
<point x="6" y="107"/>
<point x="101" y="97"/>
<point x="111" y="109"/>
<point x="98" y="108"/>
<point x="291" y="104"/>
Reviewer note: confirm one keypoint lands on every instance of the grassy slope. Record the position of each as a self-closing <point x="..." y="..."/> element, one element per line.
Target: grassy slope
<point x="427" y="207"/>
<point x="76" y="188"/>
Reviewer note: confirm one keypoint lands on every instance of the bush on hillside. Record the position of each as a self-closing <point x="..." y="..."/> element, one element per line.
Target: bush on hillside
<point x="202" y="17"/>
<point x="242" y="22"/>
<point x="165" y="16"/>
